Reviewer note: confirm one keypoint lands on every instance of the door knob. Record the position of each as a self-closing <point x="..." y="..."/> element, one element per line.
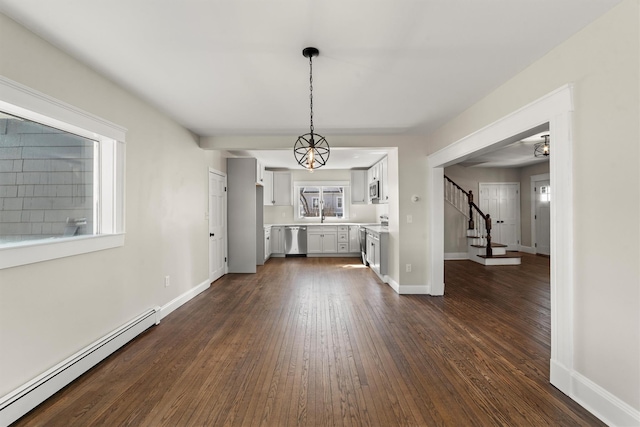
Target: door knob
<point x="211" y="234"/>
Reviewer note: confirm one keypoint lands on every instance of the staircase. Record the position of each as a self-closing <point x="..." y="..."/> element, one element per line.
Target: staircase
<point x="480" y="248"/>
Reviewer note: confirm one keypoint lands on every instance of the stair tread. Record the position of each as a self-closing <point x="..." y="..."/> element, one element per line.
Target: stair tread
<point x="493" y="245"/>
<point x="500" y="256"/>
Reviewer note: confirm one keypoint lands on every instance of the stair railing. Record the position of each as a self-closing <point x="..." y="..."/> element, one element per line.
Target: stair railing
<point x="479" y="222"/>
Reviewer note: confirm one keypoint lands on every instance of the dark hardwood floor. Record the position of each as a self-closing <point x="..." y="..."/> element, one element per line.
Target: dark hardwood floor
<point x="322" y="342"/>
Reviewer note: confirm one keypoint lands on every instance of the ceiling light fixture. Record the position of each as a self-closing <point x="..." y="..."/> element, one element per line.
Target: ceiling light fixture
<point x="541" y="149"/>
<point x="311" y="150"/>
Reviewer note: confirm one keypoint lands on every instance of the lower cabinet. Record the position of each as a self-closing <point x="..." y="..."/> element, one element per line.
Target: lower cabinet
<point x="377" y="248"/>
<point x="277" y="240"/>
<point x="322" y="240"/>
<point x="343" y="239"/>
<point x="267" y="243"/>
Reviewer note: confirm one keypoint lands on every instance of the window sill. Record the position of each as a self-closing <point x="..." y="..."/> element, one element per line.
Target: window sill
<point x="50" y="249"/>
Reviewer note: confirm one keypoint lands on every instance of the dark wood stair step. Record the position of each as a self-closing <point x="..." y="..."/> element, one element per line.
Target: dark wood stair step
<point x="493" y="245"/>
<point x="499" y="256"/>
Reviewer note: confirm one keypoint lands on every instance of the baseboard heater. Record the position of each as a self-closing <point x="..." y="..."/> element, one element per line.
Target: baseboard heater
<point x="20" y="401"/>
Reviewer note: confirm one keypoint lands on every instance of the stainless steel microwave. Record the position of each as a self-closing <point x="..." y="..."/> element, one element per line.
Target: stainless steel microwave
<point x="374" y="190"/>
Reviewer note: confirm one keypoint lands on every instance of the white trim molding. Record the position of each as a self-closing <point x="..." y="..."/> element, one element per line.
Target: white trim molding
<point x="54" y="248"/>
<point x="24" y="102"/>
<point x="555" y="110"/>
<point x="175" y="303"/>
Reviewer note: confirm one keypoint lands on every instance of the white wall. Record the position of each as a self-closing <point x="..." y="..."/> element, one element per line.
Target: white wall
<point x="49" y="310"/>
<point x="602" y="61"/>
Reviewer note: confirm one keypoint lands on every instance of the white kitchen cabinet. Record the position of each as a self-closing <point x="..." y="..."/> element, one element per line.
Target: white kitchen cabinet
<point x="259" y="173"/>
<point x="359" y="187"/>
<point x="343" y="238"/>
<point x="277" y="188"/>
<point x="373" y="174"/>
<point x="267" y="180"/>
<point x="322" y="240"/>
<point x="377" y="251"/>
<point x="277" y="240"/>
<point x="354" y="238"/>
<point x="267" y="243"/>
<point x="380" y="172"/>
<point x="282" y="189"/>
<point x="383" y="170"/>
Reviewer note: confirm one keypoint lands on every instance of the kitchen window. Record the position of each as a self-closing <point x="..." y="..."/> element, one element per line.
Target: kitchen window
<point x="316" y="199"/>
<point x="61" y="179"/>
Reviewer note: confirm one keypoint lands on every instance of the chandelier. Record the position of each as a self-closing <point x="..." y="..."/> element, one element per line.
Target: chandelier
<point x="311" y="150"/>
<point x="541" y="149"/>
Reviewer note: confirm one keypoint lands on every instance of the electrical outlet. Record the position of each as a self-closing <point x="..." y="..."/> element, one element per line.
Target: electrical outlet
<point x="409" y="219"/>
<point x="408" y="268"/>
<point x="167" y="281"/>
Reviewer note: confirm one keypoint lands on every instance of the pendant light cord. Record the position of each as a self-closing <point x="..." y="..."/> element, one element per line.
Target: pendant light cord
<point x="311" y="93"/>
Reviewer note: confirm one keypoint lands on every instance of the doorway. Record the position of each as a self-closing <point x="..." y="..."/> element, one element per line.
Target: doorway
<point x="501" y="200"/>
<point x="217" y="224"/>
<point x="541" y="214"/>
<point x="553" y="110"/>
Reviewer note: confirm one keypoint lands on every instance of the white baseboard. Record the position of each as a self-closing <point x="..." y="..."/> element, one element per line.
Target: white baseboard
<point x="604" y="405"/>
<point x="527" y="249"/>
<point x="595" y="399"/>
<point x="394" y="285"/>
<point x="450" y="256"/>
<point x="414" y="290"/>
<point x="23" y="399"/>
<point x="166" y="309"/>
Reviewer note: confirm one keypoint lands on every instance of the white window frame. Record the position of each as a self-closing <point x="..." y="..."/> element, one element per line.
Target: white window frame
<point x="346" y="196"/>
<point x="24" y="102"/>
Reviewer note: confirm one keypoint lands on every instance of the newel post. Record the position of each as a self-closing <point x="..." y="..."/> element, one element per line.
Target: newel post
<point x="471" y="224"/>
<point x="487" y="221"/>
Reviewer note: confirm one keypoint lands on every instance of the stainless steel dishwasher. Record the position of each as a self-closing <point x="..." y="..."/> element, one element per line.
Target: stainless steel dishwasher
<point x="295" y="241"/>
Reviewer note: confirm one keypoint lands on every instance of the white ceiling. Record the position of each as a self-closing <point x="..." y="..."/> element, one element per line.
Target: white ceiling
<point x="516" y="154"/>
<point x="231" y="67"/>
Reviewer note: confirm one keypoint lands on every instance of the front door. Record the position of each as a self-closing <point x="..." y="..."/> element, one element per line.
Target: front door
<point x="542" y="191"/>
<point x="217" y="225"/>
<point x="502" y="202"/>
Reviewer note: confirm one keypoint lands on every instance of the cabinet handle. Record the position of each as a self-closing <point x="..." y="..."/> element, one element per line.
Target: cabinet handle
<point x="211" y="234"/>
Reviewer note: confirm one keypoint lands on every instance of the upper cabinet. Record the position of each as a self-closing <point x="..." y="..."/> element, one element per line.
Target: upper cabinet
<point x="379" y="172"/>
<point x="383" y="170"/>
<point x="259" y="173"/>
<point x="359" y="187"/>
<point x="267" y="188"/>
<point x="277" y="188"/>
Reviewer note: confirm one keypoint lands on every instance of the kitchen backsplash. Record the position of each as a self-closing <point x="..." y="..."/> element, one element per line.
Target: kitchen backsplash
<point x="357" y="213"/>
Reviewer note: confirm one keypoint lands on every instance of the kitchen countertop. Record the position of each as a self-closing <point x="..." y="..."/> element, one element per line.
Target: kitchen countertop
<point x="376" y="228"/>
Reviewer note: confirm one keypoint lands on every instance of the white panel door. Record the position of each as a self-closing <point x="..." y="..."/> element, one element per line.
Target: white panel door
<point x="502" y="202"/>
<point x="217" y="225"/>
<point x="542" y="217"/>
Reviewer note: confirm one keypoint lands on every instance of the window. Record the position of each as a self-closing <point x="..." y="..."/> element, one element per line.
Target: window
<point x="61" y="179"/>
<point x="46" y="182"/>
<point x="316" y="199"/>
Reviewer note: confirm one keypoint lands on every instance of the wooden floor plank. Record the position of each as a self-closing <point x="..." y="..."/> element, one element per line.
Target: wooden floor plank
<point x="321" y="341"/>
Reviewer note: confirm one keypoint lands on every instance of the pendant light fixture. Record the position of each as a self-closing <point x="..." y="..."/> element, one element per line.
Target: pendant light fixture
<point x="541" y="149"/>
<point x="311" y="150"/>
